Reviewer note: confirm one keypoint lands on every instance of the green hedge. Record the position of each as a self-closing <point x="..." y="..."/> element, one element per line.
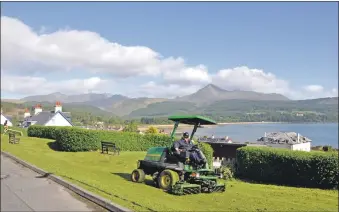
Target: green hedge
<point x="208" y="152"/>
<point x="43" y="132"/>
<point x="286" y="167"/>
<point x="76" y="140"/>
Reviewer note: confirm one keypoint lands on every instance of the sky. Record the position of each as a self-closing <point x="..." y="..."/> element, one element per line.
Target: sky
<point x="169" y="49"/>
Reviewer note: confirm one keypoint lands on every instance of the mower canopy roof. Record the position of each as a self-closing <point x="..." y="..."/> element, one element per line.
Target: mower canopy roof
<point x="192" y="120"/>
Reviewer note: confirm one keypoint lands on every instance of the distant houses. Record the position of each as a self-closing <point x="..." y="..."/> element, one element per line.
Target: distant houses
<point x="47" y="118"/>
<point x="286" y="140"/>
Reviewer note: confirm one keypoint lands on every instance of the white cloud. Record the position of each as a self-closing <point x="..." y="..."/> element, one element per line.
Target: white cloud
<point x="314" y="88"/>
<point x="25" y="51"/>
<point x="152" y="89"/>
<point x="38" y="85"/>
<point x="244" y="78"/>
<point x="188" y="75"/>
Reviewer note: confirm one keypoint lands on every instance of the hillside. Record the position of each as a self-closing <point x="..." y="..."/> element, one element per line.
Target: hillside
<point x="212" y="93"/>
<point x="239" y="108"/>
<point x="122" y="105"/>
<point x="10" y="108"/>
<point x="210" y="101"/>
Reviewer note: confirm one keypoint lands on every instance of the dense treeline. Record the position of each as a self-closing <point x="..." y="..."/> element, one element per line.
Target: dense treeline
<point x="318" y="110"/>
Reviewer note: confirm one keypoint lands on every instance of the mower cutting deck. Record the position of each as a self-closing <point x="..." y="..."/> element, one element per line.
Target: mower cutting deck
<point x="173" y="174"/>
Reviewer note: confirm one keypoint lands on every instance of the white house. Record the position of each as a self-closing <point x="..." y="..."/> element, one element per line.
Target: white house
<point x="4" y="118"/>
<point x="286" y="140"/>
<point x="48" y="118"/>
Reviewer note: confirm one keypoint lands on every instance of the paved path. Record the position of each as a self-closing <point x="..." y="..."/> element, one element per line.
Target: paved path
<point x="25" y="190"/>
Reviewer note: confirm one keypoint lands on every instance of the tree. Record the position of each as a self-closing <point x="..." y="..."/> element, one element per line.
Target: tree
<point x="131" y="127"/>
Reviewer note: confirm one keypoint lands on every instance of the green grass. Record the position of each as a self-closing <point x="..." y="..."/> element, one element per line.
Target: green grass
<point x="106" y="175"/>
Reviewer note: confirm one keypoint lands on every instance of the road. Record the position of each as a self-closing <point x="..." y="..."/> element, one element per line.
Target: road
<point x="25" y="190"/>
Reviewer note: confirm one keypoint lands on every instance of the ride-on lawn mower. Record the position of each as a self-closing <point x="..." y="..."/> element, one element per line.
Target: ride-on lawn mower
<point x="173" y="174"/>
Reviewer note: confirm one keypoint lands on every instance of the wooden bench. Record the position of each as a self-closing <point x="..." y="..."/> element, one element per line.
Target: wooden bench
<point x="109" y="145"/>
<point x="12" y="139"/>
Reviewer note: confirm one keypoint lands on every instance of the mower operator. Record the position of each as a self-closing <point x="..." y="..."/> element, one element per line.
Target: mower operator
<point x="183" y="145"/>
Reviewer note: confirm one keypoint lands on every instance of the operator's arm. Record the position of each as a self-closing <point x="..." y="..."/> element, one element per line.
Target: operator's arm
<point x="176" y="146"/>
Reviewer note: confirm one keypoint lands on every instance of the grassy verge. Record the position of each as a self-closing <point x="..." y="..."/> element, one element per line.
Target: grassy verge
<point x="108" y="176"/>
<point x="24" y="131"/>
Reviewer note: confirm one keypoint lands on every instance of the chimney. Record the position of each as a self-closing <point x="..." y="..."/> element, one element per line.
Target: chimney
<point x="57" y="107"/>
<point x="37" y="109"/>
<point x="27" y="113"/>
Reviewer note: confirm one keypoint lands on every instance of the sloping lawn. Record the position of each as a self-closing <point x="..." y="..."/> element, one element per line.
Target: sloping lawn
<point x="107" y="175"/>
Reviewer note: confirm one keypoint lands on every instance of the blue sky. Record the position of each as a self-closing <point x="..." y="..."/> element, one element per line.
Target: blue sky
<point x="297" y="42"/>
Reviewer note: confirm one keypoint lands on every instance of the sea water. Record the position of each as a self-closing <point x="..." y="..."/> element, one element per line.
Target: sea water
<point x="320" y="134"/>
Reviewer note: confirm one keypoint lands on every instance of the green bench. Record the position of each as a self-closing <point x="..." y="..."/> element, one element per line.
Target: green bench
<point x="105" y="146"/>
<point x="12" y="139"/>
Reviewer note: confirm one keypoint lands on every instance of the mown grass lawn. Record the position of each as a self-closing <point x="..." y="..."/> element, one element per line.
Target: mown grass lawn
<point x="107" y="175"/>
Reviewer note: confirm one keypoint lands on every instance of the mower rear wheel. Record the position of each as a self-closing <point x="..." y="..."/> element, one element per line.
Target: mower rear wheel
<point x="167" y="179"/>
<point x="138" y="176"/>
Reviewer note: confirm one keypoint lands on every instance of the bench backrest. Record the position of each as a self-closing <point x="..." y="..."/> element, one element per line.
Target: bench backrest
<point x="107" y="143"/>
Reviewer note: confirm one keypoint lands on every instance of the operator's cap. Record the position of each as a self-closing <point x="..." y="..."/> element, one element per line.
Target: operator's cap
<point x="186" y="135"/>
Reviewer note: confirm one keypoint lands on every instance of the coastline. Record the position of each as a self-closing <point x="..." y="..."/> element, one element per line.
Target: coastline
<point x="169" y="127"/>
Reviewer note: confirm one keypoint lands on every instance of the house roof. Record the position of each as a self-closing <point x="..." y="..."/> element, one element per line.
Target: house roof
<point x="9" y="118"/>
<point x="289" y="138"/>
<point x="44" y="116"/>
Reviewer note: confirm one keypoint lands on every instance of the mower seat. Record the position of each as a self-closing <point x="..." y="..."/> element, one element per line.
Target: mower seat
<point x="171" y="157"/>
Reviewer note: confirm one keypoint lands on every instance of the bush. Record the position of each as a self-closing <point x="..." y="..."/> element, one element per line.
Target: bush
<point x="152" y="130"/>
<point x="48" y="132"/>
<point x="282" y="166"/>
<point x="76" y="140"/>
<point x="208" y="152"/>
<point x="68" y="137"/>
<point x="130" y="141"/>
<point x="227" y="172"/>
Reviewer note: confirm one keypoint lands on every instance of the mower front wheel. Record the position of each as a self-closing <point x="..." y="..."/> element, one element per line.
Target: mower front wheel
<point x="167" y="179"/>
<point x="138" y="176"/>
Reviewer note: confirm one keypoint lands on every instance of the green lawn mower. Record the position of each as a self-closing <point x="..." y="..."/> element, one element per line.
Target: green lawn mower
<point x="172" y="173"/>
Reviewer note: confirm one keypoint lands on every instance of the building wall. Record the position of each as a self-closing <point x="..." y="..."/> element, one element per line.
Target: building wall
<point x="3" y="119"/>
<point x="224" y="150"/>
<point x="58" y="120"/>
<point x="284" y="146"/>
<point x="302" y="147"/>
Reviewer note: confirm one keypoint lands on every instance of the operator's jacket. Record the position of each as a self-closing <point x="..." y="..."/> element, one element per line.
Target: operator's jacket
<point x="182" y="144"/>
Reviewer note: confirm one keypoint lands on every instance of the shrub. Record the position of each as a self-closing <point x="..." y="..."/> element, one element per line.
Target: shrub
<point x="76" y="140"/>
<point x="208" y="152"/>
<point x="68" y="137"/>
<point x="131" y="127"/>
<point x="227" y="172"/>
<point x="130" y="141"/>
<point x="282" y="166"/>
<point x="48" y="132"/>
<point x="152" y="130"/>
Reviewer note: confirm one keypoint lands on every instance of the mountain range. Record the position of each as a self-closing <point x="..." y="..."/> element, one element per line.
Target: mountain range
<point x="207" y="100"/>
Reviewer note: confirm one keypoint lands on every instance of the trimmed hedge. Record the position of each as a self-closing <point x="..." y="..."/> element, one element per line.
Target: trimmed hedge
<point x="76" y="140"/>
<point x="208" y="152"/>
<point x="286" y="167"/>
<point x="129" y="141"/>
<point x="43" y="131"/>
